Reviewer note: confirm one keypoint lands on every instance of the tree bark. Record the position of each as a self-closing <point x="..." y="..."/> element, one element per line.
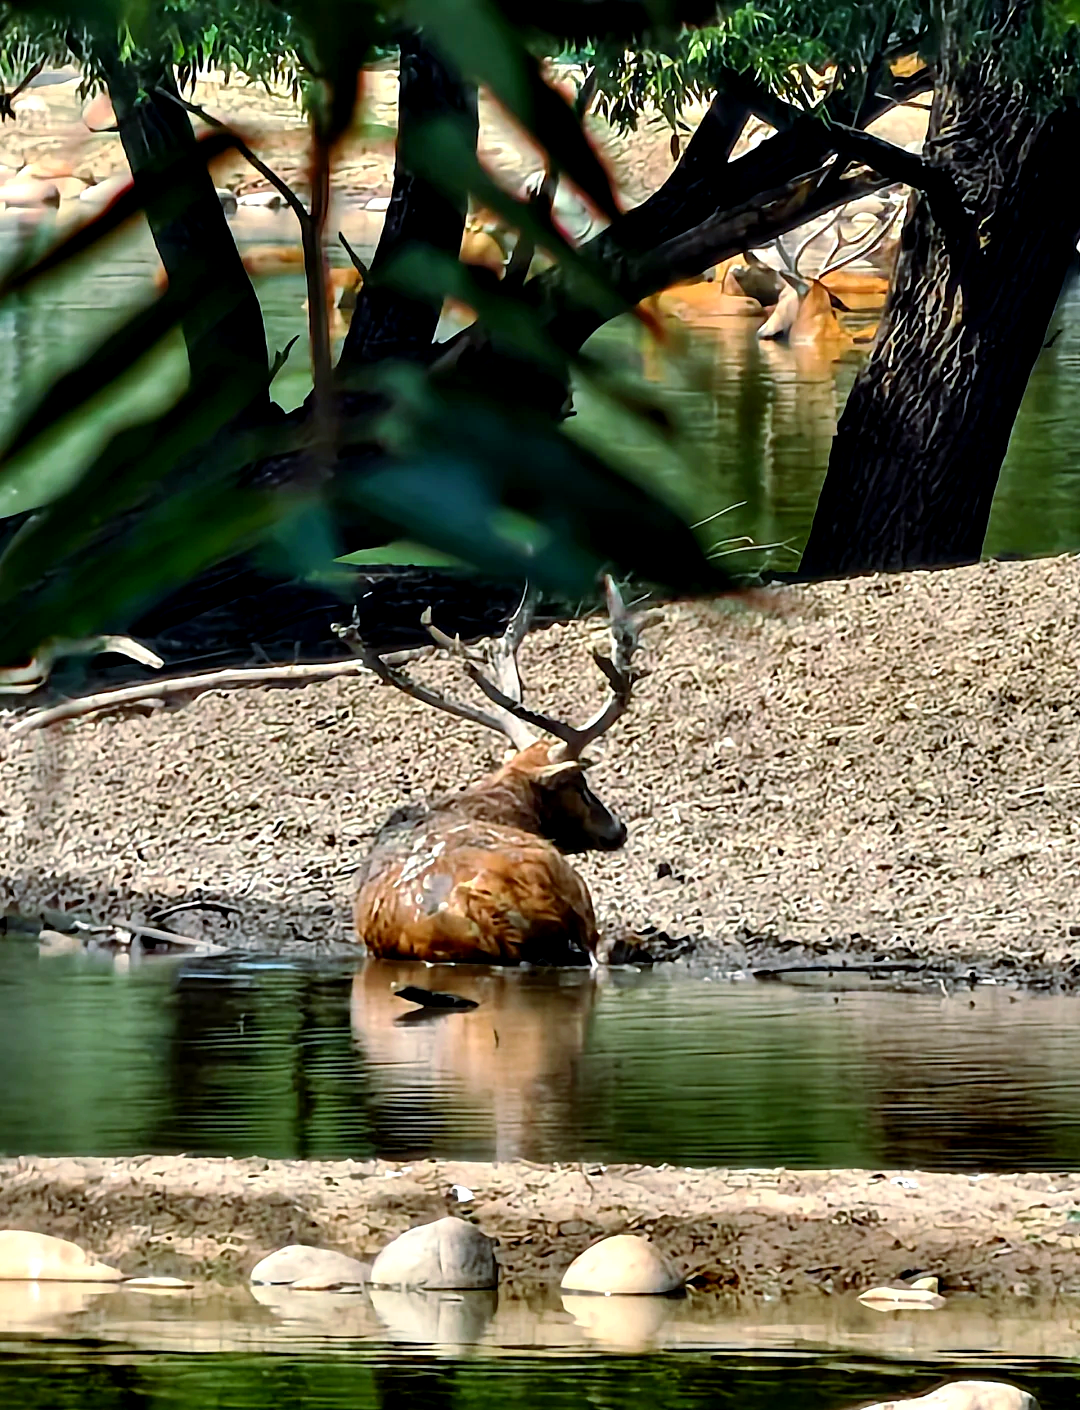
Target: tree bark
<point x="922" y="438"/>
<point x="388" y="323"/>
<point x="191" y="234"/>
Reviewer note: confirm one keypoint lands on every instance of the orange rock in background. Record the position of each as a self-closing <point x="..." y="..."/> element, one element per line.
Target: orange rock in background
<point x="98" y="114"/>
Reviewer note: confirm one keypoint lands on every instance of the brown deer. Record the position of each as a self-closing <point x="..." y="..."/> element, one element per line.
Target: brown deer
<point x="481" y="877"/>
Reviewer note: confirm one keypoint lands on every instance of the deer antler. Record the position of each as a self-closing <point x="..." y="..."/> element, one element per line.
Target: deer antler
<point x="495" y="670"/>
<point x="871" y="239"/>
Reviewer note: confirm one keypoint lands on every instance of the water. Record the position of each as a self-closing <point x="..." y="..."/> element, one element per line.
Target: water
<point x="691" y="1382"/>
<point x="284" y="1060"/>
<point x="756" y="418"/>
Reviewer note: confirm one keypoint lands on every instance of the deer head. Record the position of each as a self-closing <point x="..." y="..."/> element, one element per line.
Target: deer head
<point x="541" y="783"/>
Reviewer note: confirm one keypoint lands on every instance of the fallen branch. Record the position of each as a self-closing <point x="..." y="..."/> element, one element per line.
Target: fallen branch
<point x="160" y="690"/>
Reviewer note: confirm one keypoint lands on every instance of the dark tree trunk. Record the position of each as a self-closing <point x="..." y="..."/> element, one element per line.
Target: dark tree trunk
<point x="387" y="323"/>
<point x="921" y="441"/>
<point x="192" y="234"/>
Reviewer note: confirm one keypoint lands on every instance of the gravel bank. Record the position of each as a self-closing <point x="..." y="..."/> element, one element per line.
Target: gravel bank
<point x="882" y="768"/>
<point x="770" y="1232"/>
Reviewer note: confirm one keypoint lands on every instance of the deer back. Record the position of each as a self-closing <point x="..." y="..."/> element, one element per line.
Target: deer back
<point x="481" y="876"/>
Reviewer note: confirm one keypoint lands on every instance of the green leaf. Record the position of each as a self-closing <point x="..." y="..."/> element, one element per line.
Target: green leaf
<point x="482" y="45"/>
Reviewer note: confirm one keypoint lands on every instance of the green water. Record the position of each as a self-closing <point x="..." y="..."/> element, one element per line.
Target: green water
<point x="756" y="419"/>
<point x="284" y="1060"/>
<point x="688" y="1381"/>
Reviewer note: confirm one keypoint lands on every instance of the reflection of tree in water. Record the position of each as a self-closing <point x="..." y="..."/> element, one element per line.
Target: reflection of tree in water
<point x="262" y="1063"/>
<point x="400" y="1384"/>
<point x="977" y="1092"/>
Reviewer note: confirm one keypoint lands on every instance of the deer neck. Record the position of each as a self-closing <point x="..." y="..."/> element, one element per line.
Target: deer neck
<point x="504" y="798"/>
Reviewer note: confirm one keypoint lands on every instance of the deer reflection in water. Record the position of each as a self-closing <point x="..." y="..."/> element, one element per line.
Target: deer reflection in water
<point x="513" y="1059"/>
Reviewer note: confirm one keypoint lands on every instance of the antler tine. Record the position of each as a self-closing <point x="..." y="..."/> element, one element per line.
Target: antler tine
<point x="386" y="668"/>
<point x="877" y="236"/>
<point x="808" y="240"/>
<point x="617" y="667"/>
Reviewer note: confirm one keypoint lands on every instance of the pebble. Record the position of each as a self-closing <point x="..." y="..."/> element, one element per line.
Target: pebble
<point x="153" y="1283"/>
<point x="40" y="1257"/>
<point x="448" y="1254"/>
<point x="624" y="1263"/>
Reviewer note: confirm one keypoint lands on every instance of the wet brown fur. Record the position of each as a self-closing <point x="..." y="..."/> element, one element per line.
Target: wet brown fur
<point x="481" y="878"/>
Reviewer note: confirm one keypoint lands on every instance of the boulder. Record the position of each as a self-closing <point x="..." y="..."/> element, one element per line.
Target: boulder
<point x="310" y="1269"/>
<point x="23" y="194"/>
<point x="46" y="167"/>
<point x="966" y="1395"/>
<point x="446" y="1255"/>
<point x="103" y="191"/>
<point x="625" y="1264"/>
<point x="98" y="114"/>
<point x="261" y="200"/>
<point x="40" y="1257"/>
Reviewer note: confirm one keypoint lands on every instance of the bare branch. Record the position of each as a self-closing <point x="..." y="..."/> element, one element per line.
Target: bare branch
<point x="357" y="263"/>
<point x="148" y="692"/>
<point x="23" y="680"/>
<point x="937" y="185"/>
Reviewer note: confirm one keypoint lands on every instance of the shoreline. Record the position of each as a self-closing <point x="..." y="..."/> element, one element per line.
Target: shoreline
<point x="755" y="1233"/>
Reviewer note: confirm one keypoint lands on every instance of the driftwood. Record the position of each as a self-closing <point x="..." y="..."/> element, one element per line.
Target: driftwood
<point x="158" y="691"/>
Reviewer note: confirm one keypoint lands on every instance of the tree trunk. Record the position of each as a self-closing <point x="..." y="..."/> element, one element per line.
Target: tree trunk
<point x="923" y="435"/>
<point x="388" y="323"/>
<point x="157" y="135"/>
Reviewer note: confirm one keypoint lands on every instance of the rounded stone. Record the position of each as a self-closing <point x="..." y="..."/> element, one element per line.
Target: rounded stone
<point x="625" y="1264"/>
<point x="310" y="1269"/>
<point x="26" y="194"/>
<point x="889" y="1299"/>
<point x="448" y="1255"/>
<point x="41" y="1258"/>
<point x="966" y="1395"/>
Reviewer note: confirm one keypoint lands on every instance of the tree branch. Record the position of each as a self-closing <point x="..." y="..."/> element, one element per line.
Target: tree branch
<point x="943" y="196"/>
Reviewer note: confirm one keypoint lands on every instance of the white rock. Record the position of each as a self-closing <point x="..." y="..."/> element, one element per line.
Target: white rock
<point x="22" y="194"/>
<point x="310" y="1269"/>
<point x="448" y="1254"/>
<point x="262" y="200"/>
<point x="966" y="1395"/>
<point x="40" y="1257"/>
<point x="624" y="1263"/>
<point x="157" y="1283"/>
<point x="890" y="1299"/>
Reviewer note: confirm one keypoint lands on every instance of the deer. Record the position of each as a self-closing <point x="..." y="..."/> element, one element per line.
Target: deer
<point x="481" y="876"/>
<point x="805" y="310"/>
